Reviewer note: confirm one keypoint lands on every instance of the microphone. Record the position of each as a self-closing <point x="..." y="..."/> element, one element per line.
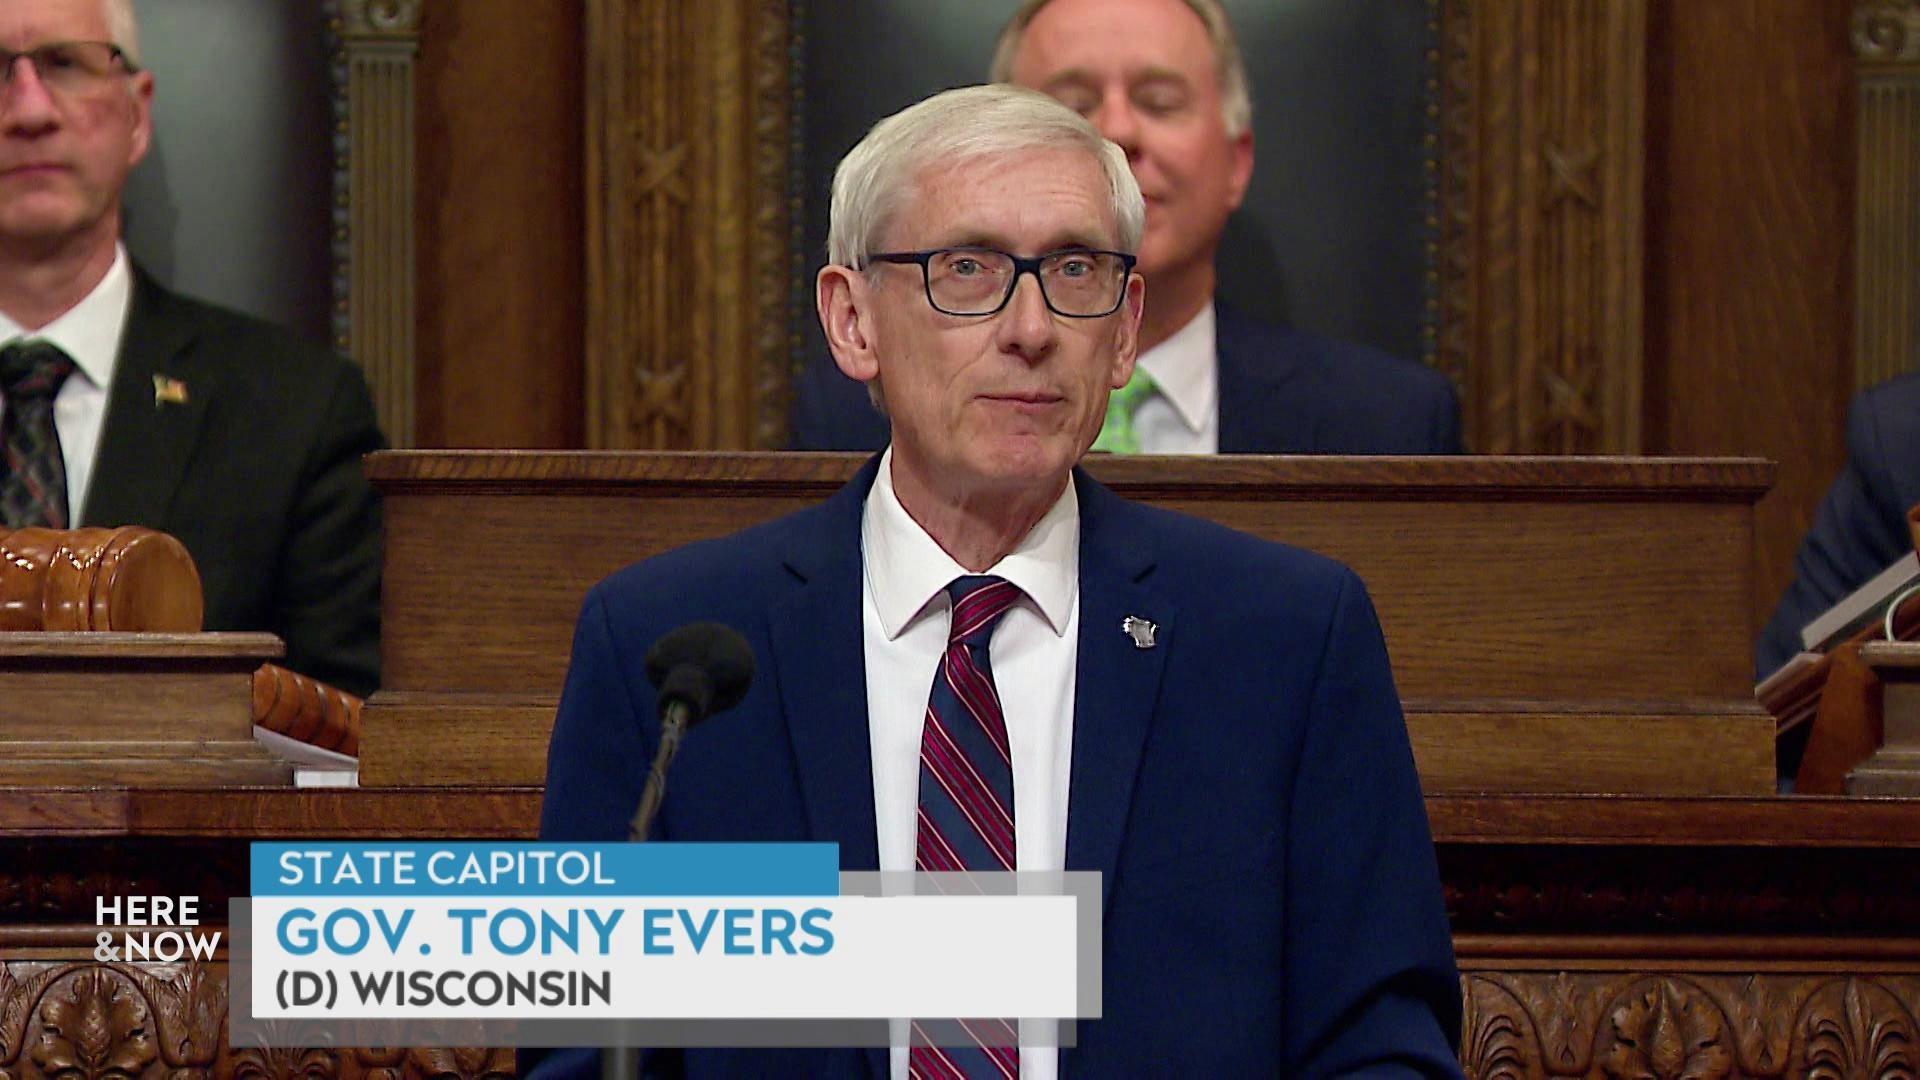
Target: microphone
<point x="697" y="670"/>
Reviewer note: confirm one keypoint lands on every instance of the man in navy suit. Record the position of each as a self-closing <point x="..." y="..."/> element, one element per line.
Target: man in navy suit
<point x="1861" y="527"/>
<point x="1164" y="80"/>
<point x="1206" y="719"/>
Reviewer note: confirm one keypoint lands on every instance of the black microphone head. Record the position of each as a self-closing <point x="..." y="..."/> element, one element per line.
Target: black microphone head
<point x="707" y="665"/>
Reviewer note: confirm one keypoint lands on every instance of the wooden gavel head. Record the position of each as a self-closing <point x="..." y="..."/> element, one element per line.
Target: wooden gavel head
<point x="126" y="579"/>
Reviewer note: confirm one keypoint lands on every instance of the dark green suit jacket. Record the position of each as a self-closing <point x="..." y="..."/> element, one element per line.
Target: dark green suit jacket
<point x="257" y="472"/>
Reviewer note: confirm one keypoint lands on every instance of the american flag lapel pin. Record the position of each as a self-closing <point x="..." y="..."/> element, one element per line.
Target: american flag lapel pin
<point x="168" y="391"/>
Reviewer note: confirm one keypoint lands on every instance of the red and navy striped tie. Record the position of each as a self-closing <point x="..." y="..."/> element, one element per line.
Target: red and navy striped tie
<point x="966" y="799"/>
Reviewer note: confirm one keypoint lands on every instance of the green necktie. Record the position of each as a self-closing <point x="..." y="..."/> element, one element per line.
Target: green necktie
<point x="1116" y="433"/>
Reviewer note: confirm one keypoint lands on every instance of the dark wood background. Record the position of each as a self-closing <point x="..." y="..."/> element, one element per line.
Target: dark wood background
<point x="1749" y="205"/>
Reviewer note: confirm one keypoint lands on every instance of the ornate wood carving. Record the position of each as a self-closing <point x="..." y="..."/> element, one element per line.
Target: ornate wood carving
<point x="90" y="1021"/>
<point x="1542" y="149"/>
<point x="374" y="211"/>
<point x="688" y="246"/>
<point x="1672" y="1024"/>
<point x="1886" y="43"/>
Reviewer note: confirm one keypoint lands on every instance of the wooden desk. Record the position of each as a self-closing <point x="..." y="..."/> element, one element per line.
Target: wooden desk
<point x="1556" y="624"/>
<point x="1758" y="937"/>
<point x="1596" y="934"/>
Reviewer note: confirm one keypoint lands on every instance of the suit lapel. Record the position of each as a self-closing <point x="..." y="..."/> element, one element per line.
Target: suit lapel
<point x="819" y="654"/>
<point x="1117" y="684"/>
<point x="145" y="441"/>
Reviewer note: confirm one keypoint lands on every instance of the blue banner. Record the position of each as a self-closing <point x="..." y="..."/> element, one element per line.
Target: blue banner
<point x="412" y="868"/>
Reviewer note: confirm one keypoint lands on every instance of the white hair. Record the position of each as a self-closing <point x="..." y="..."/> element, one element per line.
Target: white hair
<point x="973" y="122"/>
<point x="122" y="29"/>
<point x="1236" y="102"/>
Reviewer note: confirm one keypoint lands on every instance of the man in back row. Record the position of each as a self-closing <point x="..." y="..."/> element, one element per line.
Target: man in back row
<point x="1164" y="80"/>
<point x="122" y="403"/>
<point x="975" y="657"/>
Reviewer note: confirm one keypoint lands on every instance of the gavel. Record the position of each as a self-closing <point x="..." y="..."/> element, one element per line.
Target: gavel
<point x="128" y="579"/>
<point x="138" y="580"/>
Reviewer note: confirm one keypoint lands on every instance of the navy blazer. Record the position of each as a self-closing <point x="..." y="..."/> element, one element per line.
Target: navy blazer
<point x="1861" y="527"/>
<point x="1246" y="788"/>
<point x="1282" y="391"/>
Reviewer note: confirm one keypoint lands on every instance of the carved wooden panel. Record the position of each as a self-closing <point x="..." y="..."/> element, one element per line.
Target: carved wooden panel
<point x="1695" y="1025"/>
<point x="89" y="1021"/>
<point x="688" y="245"/>
<point x="77" y="1020"/>
<point x="1542" y="158"/>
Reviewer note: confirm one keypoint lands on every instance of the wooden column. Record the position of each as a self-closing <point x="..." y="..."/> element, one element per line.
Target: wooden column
<point x="1543" y="146"/>
<point x="374" y="208"/>
<point x="690" y="260"/>
<point x="1886" y="43"/>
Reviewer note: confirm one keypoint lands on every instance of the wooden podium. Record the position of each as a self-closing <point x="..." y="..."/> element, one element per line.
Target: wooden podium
<point x="1556" y="625"/>
<point x="1578" y="627"/>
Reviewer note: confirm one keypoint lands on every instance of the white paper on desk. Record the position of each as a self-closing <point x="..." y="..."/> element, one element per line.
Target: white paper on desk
<point x="313" y="766"/>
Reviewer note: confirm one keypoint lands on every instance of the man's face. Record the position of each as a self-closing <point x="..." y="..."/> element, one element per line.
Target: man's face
<point x="64" y="156"/>
<point x="1143" y="71"/>
<point x="1002" y="403"/>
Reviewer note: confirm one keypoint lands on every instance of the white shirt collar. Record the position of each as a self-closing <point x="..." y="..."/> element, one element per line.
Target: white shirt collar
<point x="906" y="569"/>
<point x="1183" y="367"/>
<point x="90" y="330"/>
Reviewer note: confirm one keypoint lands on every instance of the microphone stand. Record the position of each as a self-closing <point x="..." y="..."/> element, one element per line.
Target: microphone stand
<point x="622" y="1061"/>
<point x="676" y="719"/>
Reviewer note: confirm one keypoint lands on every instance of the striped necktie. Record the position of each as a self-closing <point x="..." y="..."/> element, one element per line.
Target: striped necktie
<point x="966" y="800"/>
<point x="33" y="474"/>
<point x="1116" y="432"/>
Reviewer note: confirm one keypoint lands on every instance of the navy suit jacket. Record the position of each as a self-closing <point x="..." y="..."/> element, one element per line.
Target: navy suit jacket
<point x="1861" y="527"/>
<point x="1282" y="391"/>
<point x="1246" y="789"/>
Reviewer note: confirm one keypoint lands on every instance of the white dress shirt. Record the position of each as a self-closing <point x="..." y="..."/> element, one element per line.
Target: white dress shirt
<point x="905" y="615"/>
<point x="90" y="333"/>
<point x="1183" y="415"/>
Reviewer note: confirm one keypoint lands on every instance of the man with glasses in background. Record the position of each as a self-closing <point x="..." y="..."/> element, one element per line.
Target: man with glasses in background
<point x="126" y="404"/>
<point x="974" y="657"/>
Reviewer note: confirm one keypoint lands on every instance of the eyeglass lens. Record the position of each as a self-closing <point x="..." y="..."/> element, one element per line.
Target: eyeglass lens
<point x="66" y="66"/>
<point x="974" y="282"/>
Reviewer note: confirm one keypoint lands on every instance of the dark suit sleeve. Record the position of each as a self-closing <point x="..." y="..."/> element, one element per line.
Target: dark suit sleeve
<point x="1860" y="529"/>
<point x="1371" y="987"/>
<point x="326" y="593"/>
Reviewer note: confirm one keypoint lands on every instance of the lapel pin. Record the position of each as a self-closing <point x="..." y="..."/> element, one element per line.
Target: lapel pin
<point x="167" y="391"/>
<point x="1140" y="630"/>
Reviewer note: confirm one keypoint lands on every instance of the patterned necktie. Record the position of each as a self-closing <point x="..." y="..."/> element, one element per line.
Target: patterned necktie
<point x="966" y="800"/>
<point x="33" y="483"/>
<point x="1116" y="432"/>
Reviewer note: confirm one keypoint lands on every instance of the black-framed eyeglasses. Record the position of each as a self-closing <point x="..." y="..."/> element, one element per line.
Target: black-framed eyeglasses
<point x="69" y="67"/>
<point x="1075" y="282"/>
